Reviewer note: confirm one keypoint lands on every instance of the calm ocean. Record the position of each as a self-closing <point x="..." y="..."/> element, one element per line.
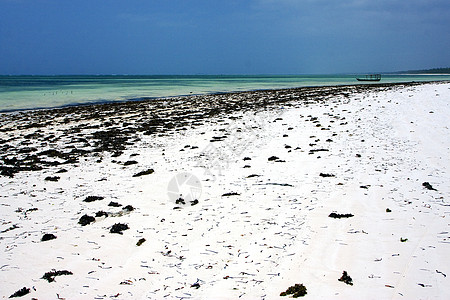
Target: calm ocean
<point x="31" y="92"/>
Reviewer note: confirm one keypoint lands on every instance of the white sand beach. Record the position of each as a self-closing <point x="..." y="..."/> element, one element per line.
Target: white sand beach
<point x="265" y="179"/>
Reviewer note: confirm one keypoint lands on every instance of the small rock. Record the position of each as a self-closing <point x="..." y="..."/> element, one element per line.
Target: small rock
<point x="48" y="237"/>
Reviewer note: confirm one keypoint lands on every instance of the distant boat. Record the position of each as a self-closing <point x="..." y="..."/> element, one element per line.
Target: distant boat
<point x="369" y="77"/>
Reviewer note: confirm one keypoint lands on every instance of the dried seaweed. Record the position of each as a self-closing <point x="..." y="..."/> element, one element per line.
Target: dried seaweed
<point x="118" y="228"/>
<point x="339" y="216"/>
<point x="346" y="278"/>
<point x="297" y="290"/>
<point x="50" y="276"/>
<point x="22" y="292"/>
<point x="146" y="172"/>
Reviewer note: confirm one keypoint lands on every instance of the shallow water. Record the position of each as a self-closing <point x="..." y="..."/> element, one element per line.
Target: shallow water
<point x="30" y="92"/>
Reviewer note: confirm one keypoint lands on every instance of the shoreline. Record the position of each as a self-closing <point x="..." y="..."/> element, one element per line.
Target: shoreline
<point x="145" y="99"/>
<point x="270" y="167"/>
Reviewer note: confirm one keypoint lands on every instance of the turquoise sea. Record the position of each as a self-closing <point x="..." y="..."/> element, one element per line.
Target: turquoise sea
<point x="32" y="92"/>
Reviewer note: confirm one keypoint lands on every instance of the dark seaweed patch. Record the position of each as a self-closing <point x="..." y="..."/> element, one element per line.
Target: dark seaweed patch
<point x="230" y="194"/>
<point x="118" y="228"/>
<point x="146" y="172"/>
<point x="140" y="242"/>
<point x="22" y="292"/>
<point x="346" y="278"/>
<point x="297" y="290"/>
<point x="86" y="220"/>
<point x="339" y="216"/>
<point x="50" y="276"/>
<point x="128" y="208"/>
<point x="326" y="175"/>
<point x="93" y="198"/>
<point x="101" y="213"/>
<point x="428" y="186"/>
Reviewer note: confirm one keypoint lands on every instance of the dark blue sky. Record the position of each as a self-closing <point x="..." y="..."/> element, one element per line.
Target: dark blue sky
<point x="222" y="37"/>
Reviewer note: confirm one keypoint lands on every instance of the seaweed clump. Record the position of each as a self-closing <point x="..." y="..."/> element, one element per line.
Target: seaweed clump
<point x="297" y="290"/>
<point x="50" y="276"/>
<point x="339" y="216"/>
<point x="86" y="220"/>
<point x="22" y="292"/>
<point x="428" y="186"/>
<point x="346" y="278"/>
<point x="118" y="228"/>
<point x="93" y="198"/>
<point x="142" y="173"/>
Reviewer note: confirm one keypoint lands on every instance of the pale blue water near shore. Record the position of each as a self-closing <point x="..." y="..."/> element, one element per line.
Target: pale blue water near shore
<point x="31" y="92"/>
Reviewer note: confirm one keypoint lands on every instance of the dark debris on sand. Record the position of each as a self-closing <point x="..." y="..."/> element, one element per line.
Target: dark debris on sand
<point x="86" y="220"/>
<point x="346" y="278"/>
<point x="142" y="173"/>
<point x="93" y="198"/>
<point x="428" y="186"/>
<point x="50" y="276"/>
<point x="118" y="228"/>
<point x="339" y="216"/>
<point x="80" y="138"/>
<point x="20" y="293"/>
<point x="297" y="290"/>
<point x="48" y="237"/>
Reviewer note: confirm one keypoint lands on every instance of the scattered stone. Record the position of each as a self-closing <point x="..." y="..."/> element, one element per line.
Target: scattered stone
<point x="22" y="292"/>
<point x="346" y="278"/>
<point x="142" y="173"/>
<point x="48" y="237"/>
<point x="246" y="158"/>
<point x="339" y="216"/>
<point x="140" y="242"/>
<point x="388" y="210"/>
<point x="52" y="178"/>
<point x="93" y="198"/>
<point x="272" y="158"/>
<point x="86" y="220"/>
<point x="114" y="204"/>
<point x="118" y="228"/>
<point x="195" y="202"/>
<point x="364" y="187"/>
<point x="326" y="175"/>
<point x="358" y="155"/>
<point x="50" y="276"/>
<point x="230" y="194"/>
<point x="403" y="240"/>
<point x="62" y="171"/>
<point x="428" y="186"/>
<point x="297" y="290"/>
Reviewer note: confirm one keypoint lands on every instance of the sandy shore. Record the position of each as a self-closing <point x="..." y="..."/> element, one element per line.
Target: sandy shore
<point x="230" y="196"/>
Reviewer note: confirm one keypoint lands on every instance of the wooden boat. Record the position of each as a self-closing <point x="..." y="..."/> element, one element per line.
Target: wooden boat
<point x="370" y="77"/>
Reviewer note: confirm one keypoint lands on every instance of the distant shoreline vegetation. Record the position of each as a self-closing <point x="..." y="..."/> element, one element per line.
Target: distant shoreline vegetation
<point x="426" y="71"/>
